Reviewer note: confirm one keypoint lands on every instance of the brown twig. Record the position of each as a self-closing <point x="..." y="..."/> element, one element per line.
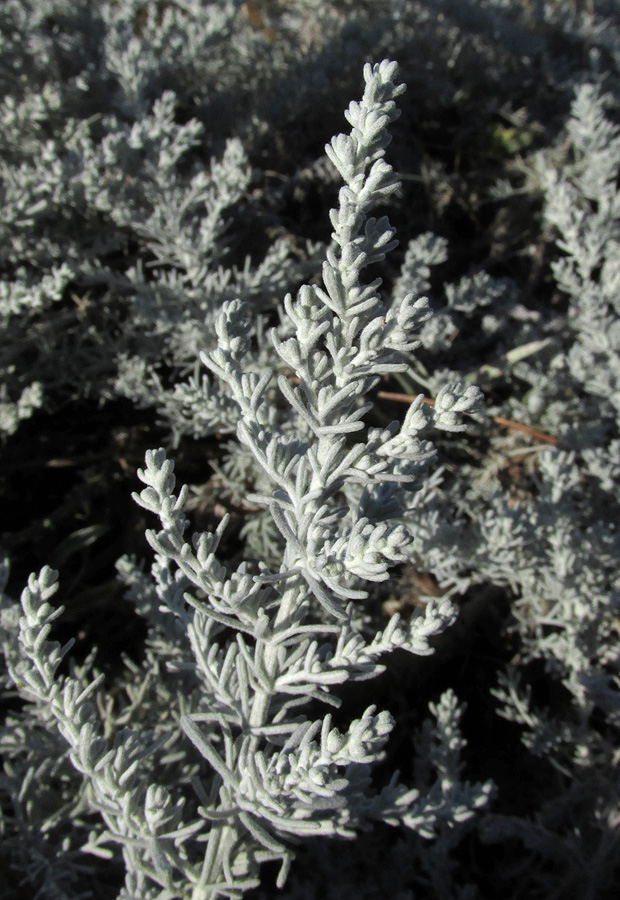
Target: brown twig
<point x="506" y="423"/>
<point x="532" y="432"/>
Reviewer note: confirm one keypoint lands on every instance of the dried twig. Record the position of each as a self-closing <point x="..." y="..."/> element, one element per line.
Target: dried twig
<point x="506" y="423"/>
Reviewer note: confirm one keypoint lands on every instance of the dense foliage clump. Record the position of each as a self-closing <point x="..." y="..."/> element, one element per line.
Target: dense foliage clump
<point x="400" y="462"/>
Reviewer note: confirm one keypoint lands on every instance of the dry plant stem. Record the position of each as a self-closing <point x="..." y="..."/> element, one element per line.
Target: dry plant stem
<point x="506" y="423"/>
<point x="499" y="420"/>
